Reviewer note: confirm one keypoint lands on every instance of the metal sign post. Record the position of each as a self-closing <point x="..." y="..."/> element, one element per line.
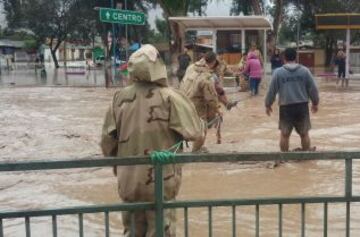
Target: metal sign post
<point x="112" y="46"/>
<point x="117" y="16"/>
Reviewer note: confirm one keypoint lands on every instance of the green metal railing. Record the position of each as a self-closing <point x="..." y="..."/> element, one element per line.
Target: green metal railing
<point x="159" y="205"/>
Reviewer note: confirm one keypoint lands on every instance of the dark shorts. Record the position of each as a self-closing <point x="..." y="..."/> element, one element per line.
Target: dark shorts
<point x="295" y="115"/>
<point x="341" y="72"/>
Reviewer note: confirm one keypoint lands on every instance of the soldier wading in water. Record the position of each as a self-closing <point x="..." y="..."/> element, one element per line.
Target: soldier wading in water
<point x="198" y="84"/>
<point x="143" y="117"/>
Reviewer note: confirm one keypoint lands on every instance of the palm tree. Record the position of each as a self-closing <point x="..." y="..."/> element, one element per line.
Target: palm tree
<point x="179" y="8"/>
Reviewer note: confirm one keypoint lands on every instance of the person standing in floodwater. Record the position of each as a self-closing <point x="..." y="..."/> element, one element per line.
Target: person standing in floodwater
<point x="340" y="61"/>
<point x="254" y="49"/>
<point x="254" y="69"/>
<point x="148" y="116"/>
<point x="184" y="61"/>
<point x="198" y="85"/>
<point x="276" y="60"/>
<point x="295" y="85"/>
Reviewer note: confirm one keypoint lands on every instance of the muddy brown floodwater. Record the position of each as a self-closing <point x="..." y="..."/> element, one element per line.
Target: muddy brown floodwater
<point x="48" y="123"/>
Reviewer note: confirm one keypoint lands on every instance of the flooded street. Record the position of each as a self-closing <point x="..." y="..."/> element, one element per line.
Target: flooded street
<point x="52" y="121"/>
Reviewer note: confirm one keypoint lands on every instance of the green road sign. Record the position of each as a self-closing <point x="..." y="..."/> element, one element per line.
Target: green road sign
<point x="122" y="16"/>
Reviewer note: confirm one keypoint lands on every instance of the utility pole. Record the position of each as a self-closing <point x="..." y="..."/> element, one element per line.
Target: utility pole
<point x="120" y="6"/>
<point x="298" y="32"/>
<point x="113" y="44"/>
<point x="65" y="54"/>
<point x="126" y="36"/>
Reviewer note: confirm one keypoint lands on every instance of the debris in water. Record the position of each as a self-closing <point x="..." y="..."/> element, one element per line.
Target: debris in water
<point x="11" y="185"/>
<point x="72" y="136"/>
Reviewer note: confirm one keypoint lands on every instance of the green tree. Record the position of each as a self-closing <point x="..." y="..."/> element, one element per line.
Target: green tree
<point x="51" y="22"/>
<point x="179" y="8"/>
<point x="278" y="17"/>
<point x="308" y="8"/>
<point x="247" y="7"/>
<point x="258" y="7"/>
<point x="174" y="8"/>
<point x="13" y="13"/>
<point x="288" y="30"/>
<point x="160" y="35"/>
<point x="198" y="7"/>
<point x="54" y="21"/>
<point x="163" y="29"/>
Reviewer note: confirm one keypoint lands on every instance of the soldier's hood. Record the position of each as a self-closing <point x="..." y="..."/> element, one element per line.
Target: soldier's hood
<point x="145" y="65"/>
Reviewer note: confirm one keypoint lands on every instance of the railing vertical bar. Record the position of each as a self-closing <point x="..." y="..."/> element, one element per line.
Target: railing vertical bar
<point x="107" y="226"/>
<point x="1" y="228"/>
<point x="234" y="220"/>
<point x="302" y="219"/>
<point x="257" y="234"/>
<point x="210" y="221"/>
<point x="133" y="229"/>
<point x="348" y="192"/>
<point x="186" y="222"/>
<point x="27" y="226"/>
<point x="81" y="225"/>
<point x="325" y="219"/>
<point x="159" y="200"/>
<point x="348" y="178"/>
<point x="54" y="225"/>
<point x="280" y="220"/>
<point x="347" y="219"/>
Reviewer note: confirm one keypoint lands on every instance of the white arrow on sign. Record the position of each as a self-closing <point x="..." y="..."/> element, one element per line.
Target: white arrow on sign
<point x="107" y="15"/>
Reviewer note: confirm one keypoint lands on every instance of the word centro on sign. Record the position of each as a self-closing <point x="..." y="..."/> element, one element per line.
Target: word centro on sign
<point x="118" y="16"/>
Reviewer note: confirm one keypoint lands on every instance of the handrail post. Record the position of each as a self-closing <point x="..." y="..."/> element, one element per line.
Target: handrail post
<point x="159" y="200"/>
<point x="1" y="228"/>
<point x="348" y="178"/>
<point x="348" y="192"/>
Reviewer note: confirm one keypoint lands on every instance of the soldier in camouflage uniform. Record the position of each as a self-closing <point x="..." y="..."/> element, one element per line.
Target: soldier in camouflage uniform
<point x="199" y="85"/>
<point x="146" y="116"/>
